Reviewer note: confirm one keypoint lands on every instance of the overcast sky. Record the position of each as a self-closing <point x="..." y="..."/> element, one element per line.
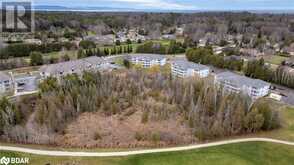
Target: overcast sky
<point x="177" y="4"/>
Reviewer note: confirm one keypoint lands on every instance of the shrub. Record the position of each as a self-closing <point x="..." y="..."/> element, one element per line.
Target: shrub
<point x="97" y="136"/>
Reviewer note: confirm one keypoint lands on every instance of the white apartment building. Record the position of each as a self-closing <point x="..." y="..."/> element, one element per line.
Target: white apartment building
<point x="183" y="68"/>
<point x="5" y="83"/>
<point x="18" y="83"/>
<point x="25" y="82"/>
<point x="232" y="82"/>
<point x="147" y="60"/>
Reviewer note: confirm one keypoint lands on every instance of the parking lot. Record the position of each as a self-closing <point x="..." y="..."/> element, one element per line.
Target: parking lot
<point x="286" y="93"/>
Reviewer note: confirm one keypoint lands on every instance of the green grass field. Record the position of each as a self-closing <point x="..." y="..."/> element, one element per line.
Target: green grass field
<point x="250" y="153"/>
<point x="276" y="60"/>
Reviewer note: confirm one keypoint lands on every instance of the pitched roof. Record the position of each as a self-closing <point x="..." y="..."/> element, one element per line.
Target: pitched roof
<point x="241" y="80"/>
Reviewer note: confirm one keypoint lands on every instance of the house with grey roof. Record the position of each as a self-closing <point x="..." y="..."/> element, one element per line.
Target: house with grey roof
<point x="74" y="66"/>
<point x="147" y="60"/>
<point x="183" y="68"/>
<point x="5" y="83"/>
<point x="232" y="82"/>
<point x="289" y="49"/>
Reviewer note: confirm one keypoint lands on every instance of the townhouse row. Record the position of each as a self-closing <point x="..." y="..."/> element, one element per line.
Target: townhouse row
<point x="27" y="82"/>
<point x="75" y="66"/>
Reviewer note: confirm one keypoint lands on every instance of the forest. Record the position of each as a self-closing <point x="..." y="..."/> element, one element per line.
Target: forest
<point x="198" y="111"/>
<point x="277" y="28"/>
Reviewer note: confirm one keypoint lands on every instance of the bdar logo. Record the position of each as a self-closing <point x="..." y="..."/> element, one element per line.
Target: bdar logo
<point x="4" y="160"/>
<point x="13" y="160"/>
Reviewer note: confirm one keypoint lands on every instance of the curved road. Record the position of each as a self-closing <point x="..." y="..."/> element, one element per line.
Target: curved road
<point x="127" y="153"/>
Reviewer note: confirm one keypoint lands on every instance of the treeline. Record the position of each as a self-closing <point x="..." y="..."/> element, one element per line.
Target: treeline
<point x="206" y="56"/>
<point x="281" y="75"/>
<point x="215" y="26"/>
<point x="105" y="51"/>
<point x="12" y="116"/>
<point x="205" y="109"/>
<point x="23" y="49"/>
<point x="158" y="48"/>
<point x="253" y="68"/>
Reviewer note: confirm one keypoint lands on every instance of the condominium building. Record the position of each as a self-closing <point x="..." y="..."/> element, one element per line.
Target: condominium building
<point x="5" y="83"/>
<point x="182" y="68"/>
<point x="147" y="60"/>
<point x="25" y="82"/>
<point x="236" y="83"/>
<point x="75" y="66"/>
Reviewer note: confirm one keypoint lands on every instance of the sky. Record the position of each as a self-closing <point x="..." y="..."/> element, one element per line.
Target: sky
<point x="176" y="4"/>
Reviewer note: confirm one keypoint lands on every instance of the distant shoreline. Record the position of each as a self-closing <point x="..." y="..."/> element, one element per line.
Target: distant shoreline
<point x="109" y="9"/>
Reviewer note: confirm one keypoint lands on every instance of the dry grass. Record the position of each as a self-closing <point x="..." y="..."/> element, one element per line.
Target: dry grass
<point x="122" y="131"/>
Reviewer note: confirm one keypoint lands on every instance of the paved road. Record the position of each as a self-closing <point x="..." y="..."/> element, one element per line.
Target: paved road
<point x="127" y="153"/>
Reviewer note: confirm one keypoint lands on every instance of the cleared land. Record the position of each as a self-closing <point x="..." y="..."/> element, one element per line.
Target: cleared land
<point x="242" y="154"/>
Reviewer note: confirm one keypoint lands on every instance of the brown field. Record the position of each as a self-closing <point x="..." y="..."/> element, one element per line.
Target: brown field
<point x="122" y="131"/>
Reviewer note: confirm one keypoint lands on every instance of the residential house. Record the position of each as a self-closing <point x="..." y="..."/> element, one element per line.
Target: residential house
<point x="289" y="49"/>
<point x="141" y="37"/>
<point x="147" y="60"/>
<point x="5" y="83"/>
<point x="277" y="47"/>
<point x="217" y="49"/>
<point x="232" y="82"/>
<point x="251" y="52"/>
<point x="239" y="38"/>
<point x="233" y="57"/>
<point x="132" y="34"/>
<point x="183" y="68"/>
<point x="168" y="37"/>
<point x="63" y="39"/>
<point x="77" y="41"/>
<point x="50" y="40"/>
<point x="33" y="41"/>
<point x="102" y="40"/>
<point x="179" y="31"/>
<point x="202" y="42"/>
<point x="289" y="62"/>
<point x="121" y="36"/>
<point x="230" y="39"/>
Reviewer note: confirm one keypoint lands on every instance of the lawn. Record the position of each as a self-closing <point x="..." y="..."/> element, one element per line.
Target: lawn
<point x="249" y="153"/>
<point x="71" y="53"/>
<point x="276" y="60"/>
<point x="287" y="130"/>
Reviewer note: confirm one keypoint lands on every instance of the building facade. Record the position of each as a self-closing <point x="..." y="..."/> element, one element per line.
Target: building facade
<point x="235" y="83"/>
<point x="73" y="67"/>
<point x="5" y="83"/>
<point x="147" y="60"/>
<point x="181" y="68"/>
<point x="27" y="82"/>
